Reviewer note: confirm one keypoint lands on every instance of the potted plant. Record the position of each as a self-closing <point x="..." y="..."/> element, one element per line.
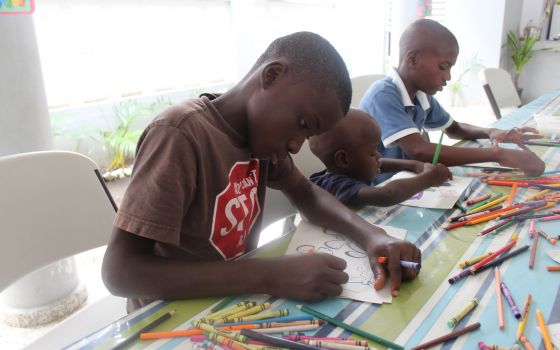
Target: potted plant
<point x="521" y="53"/>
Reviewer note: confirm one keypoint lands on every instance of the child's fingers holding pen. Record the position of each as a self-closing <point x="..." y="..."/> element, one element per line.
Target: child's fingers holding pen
<point x="379" y="273"/>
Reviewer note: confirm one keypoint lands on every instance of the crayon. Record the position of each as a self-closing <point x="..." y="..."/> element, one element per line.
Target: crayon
<point x="511" y="302"/>
<point x="468" y="308"/>
<point x="473" y="261"/>
<point x="552" y="268"/>
<point x="524" y="316"/>
<point x="350" y="328"/>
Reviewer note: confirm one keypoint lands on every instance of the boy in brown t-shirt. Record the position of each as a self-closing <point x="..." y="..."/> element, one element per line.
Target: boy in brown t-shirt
<point x="196" y="195"/>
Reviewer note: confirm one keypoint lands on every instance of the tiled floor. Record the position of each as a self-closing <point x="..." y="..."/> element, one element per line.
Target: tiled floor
<point x="89" y="263"/>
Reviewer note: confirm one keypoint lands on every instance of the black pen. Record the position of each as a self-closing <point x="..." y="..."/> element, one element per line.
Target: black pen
<point x="132" y="338"/>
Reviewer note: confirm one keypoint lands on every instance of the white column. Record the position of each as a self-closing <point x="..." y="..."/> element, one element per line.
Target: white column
<point x="403" y="13"/>
<point x="53" y="291"/>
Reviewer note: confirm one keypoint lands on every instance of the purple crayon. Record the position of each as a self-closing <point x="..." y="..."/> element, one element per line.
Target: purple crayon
<point x="510" y="300"/>
<point x="459" y="276"/>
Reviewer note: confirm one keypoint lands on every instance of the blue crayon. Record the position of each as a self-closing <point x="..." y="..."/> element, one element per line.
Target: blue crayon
<point x="411" y="264"/>
<point x="275" y="319"/>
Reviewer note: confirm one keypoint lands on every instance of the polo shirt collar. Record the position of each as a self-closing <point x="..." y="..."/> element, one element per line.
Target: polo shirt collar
<point x="420" y="95"/>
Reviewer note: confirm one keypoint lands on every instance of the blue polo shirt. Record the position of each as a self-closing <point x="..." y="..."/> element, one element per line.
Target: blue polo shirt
<point x="389" y="103"/>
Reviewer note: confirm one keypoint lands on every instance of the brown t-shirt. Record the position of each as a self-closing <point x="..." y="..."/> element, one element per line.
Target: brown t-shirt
<point x="195" y="188"/>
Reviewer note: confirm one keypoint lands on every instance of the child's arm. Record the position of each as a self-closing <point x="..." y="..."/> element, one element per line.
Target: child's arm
<point x="392" y="164"/>
<point x="417" y="148"/>
<point x="400" y="190"/>
<point x="131" y="269"/>
<point x="321" y="208"/>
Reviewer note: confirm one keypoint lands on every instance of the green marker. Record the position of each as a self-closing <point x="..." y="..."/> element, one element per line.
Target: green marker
<point x="438" y="149"/>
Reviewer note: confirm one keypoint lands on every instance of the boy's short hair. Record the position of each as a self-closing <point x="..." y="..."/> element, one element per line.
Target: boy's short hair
<point x="425" y="34"/>
<point x="312" y="59"/>
<point x="357" y="128"/>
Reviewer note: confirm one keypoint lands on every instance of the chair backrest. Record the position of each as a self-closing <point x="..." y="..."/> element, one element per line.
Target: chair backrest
<point x="360" y="84"/>
<point x="500" y="90"/>
<point x="52" y="205"/>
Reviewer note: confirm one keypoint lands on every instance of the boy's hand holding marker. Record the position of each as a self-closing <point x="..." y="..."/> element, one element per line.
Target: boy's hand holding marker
<point x="393" y="251"/>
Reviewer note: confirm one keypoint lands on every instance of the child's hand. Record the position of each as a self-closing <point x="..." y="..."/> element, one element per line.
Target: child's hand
<point x="395" y="250"/>
<point x="515" y="135"/>
<point x="439" y="173"/>
<point x="419" y="167"/>
<point x="307" y="277"/>
<point x="527" y="161"/>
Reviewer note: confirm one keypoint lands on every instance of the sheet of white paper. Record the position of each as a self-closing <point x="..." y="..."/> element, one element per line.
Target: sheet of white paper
<point x="442" y="197"/>
<point x="360" y="285"/>
<point x="554" y="330"/>
<point x="554" y="254"/>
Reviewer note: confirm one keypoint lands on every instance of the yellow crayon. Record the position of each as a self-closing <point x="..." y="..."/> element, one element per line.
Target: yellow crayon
<point x="251" y="311"/>
<point x="209" y="328"/>
<point x="468" y="308"/>
<point x="263" y="315"/>
<point x="540" y="193"/>
<point x="473" y="261"/>
<point x="335" y="346"/>
<point x="489" y="217"/>
<point x="228" y="311"/>
<point x="300" y="328"/>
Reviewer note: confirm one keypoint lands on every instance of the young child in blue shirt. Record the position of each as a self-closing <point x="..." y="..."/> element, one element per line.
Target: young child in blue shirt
<point x="403" y="105"/>
<point x="349" y="151"/>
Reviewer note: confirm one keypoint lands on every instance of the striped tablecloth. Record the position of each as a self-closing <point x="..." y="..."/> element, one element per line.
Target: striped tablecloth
<point x="425" y="304"/>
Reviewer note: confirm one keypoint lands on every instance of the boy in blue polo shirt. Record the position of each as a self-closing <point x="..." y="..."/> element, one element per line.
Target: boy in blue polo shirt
<point x="403" y="105"/>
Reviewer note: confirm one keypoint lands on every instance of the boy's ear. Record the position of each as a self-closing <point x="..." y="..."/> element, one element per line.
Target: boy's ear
<point x="271" y="72"/>
<point x="412" y="57"/>
<point x="341" y="159"/>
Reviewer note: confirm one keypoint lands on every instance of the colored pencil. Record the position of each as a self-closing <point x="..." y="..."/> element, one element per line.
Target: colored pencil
<point x="501" y="259"/>
<point x="545" y="144"/>
<point x="544" y="331"/>
<point x="499" y="301"/>
<point x="512" y="194"/>
<point x="136" y="335"/>
<point x="221" y="304"/>
<point x="488" y="205"/>
<point x="533" y="251"/>
<point x="350" y="328"/>
<point x="447" y="337"/>
<point x="493" y="256"/>
<point x="478" y="199"/>
<point x="438" y="149"/>
<point x="334" y="346"/>
<point x="485" y="201"/>
<point x="280" y="342"/>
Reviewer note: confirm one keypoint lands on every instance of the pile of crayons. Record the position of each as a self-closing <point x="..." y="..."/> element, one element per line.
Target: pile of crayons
<point x="507" y="212"/>
<point x="249" y="326"/>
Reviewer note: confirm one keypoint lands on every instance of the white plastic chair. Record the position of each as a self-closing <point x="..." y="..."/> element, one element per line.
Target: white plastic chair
<point x="360" y="84"/>
<point x="53" y="206"/>
<point x="276" y="205"/>
<point x="500" y="90"/>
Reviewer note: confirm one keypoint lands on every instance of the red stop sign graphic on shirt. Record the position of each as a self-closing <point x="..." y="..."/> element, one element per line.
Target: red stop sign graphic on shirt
<point x="236" y="210"/>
